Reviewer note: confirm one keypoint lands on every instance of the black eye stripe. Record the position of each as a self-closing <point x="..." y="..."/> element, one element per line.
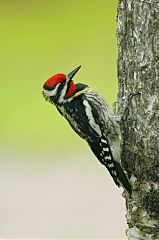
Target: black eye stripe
<point x="61" y="85"/>
<point x="53" y="87"/>
<point x="48" y="88"/>
<point x="68" y="86"/>
<point x="57" y="92"/>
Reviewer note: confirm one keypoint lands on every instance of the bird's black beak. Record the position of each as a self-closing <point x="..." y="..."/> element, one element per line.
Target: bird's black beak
<point x="71" y="74"/>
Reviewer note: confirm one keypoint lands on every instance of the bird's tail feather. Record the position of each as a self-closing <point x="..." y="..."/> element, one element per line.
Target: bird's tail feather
<point x="122" y="178"/>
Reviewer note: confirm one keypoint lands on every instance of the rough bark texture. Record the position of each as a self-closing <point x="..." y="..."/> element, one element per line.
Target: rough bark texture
<point x="138" y="72"/>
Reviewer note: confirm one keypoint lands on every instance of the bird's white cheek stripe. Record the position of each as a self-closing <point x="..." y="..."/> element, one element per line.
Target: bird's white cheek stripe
<point x="63" y="93"/>
<point x="90" y="117"/>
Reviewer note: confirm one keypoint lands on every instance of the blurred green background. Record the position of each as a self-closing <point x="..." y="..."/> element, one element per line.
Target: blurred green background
<point x="39" y="39"/>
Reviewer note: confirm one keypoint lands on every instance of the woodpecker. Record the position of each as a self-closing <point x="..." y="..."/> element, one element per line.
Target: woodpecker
<point x="91" y="118"/>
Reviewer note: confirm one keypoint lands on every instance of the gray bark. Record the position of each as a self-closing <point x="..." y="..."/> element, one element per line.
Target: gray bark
<point x="138" y="73"/>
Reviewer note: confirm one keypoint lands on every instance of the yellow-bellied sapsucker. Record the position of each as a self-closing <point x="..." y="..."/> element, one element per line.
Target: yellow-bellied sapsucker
<point x="91" y="118"/>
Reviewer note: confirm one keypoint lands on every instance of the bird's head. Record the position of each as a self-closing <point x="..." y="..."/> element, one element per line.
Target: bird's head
<point x="60" y="87"/>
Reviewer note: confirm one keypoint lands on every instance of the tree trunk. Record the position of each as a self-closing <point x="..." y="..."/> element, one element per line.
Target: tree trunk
<point x="138" y="97"/>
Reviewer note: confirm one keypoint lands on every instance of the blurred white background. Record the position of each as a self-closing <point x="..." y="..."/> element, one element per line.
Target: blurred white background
<point x="48" y="200"/>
